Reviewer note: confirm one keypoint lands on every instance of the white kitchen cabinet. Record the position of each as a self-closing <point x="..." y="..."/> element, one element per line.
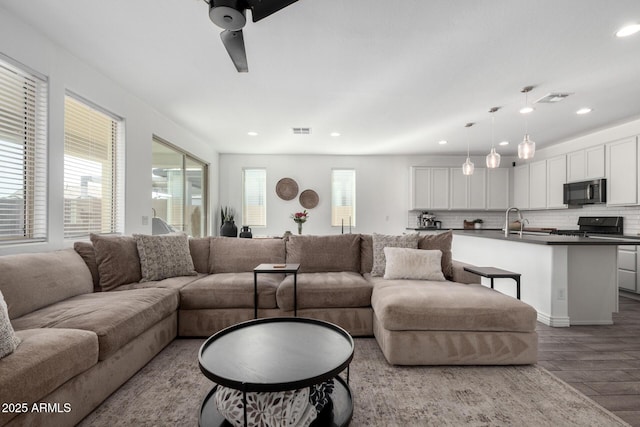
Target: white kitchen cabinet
<point x="468" y="191"/>
<point x="586" y="164"/>
<point x="498" y="188"/>
<point x="428" y="188"/>
<point x="627" y="268"/>
<point x="521" y="186"/>
<point x="556" y="178"/>
<point x="622" y="173"/>
<point x="538" y="185"/>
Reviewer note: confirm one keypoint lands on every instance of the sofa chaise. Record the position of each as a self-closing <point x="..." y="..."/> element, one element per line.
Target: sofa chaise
<point x="88" y="318"/>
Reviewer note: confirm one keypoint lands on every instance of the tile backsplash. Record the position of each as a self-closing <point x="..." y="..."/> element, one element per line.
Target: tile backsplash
<point x="557" y="218"/>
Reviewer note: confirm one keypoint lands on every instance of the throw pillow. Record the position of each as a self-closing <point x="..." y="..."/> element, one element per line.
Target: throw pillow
<point x="88" y="254"/>
<point x="381" y="241"/>
<point x="8" y="339"/>
<point x="418" y="264"/>
<point x="164" y="256"/>
<point x="325" y="253"/>
<point x="118" y="261"/>
<point x="442" y="242"/>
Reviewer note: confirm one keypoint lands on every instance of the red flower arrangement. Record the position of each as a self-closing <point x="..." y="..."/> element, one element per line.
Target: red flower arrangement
<point x="300" y="217"/>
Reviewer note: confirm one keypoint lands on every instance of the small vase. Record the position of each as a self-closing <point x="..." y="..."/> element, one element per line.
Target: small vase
<point x="229" y="229"/>
<point x="299" y="228"/>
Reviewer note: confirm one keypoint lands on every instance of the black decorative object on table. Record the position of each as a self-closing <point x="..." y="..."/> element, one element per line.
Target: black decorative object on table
<point x="280" y="354"/>
<point x="246" y="233"/>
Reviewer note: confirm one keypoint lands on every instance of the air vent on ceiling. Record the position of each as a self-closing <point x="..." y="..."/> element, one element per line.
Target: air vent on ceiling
<point x="301" y="131"/>
<point x="553" y="97"/>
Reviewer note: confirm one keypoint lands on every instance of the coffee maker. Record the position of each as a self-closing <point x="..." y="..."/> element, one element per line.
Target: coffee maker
<point x="428" y="220"/>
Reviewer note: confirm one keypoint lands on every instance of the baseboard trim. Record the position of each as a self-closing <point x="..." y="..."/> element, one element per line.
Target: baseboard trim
<point x="555" y="322"/>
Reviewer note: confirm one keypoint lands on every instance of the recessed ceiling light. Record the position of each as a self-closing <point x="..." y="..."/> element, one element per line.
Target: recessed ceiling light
<point x="442" y="142"/>
<point x="583" y="111"/>
<point x="252" y="133"/>
<point x="526" y="110"/>
<point x="504" y="143"/>
<point x="335" y="134"/>
<point x="628" y="30"/>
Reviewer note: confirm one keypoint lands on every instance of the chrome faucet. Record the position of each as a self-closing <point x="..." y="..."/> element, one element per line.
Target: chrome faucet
<point x="506" y="221"/>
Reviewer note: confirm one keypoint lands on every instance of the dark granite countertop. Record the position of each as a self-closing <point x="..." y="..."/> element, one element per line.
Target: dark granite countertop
<point x="548" y="239"/>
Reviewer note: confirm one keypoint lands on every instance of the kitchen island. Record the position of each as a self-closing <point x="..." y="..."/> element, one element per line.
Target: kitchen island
<point x="569" y="280"/>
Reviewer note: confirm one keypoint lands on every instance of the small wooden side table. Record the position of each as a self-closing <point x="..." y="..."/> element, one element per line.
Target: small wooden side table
<point x="496" y="273"/>
<point x="276" y="269"/>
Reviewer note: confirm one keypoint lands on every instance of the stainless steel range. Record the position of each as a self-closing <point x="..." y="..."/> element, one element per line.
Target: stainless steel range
<point x="595" y="225"/>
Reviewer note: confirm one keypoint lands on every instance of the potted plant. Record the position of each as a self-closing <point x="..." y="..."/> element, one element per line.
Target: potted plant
<point x="477" y="223"/>
<point x="228" y="227"/>
<point x="300" y="218"/>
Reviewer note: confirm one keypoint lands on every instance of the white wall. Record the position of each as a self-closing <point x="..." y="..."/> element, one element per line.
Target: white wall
<point x="382" y="189"/>
<point x="26" y="45"/>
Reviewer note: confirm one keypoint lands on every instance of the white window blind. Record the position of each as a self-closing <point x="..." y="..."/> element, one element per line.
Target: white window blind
<point x="93" y="170"/>
<point x="343" y="197"/>
<point x="23" y="154"/>
<point x="254" y="198"/>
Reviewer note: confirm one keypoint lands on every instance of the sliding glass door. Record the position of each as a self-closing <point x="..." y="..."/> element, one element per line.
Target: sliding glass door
<point x="179" y="191"/>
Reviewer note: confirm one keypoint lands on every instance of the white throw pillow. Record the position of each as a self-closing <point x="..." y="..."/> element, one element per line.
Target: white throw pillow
<point x="420" y="264"/>
<point x="8" y="339"/>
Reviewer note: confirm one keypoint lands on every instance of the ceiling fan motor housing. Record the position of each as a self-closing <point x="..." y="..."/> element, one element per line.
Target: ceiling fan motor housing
<point x="227" y="14"/>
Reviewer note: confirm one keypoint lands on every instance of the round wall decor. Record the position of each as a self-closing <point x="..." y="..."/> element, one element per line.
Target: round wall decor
<point x="287" y="189"/>
<point x="309" y="199"/>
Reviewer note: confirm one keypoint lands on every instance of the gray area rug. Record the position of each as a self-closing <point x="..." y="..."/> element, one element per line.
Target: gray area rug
<point x="169" y="391"/>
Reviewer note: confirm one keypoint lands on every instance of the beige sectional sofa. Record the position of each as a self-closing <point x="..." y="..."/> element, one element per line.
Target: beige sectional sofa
<point x="89" y="319"/>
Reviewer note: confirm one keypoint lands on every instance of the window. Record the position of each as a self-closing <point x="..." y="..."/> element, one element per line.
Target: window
<point x="343" y="197"/>
<point x="93" y="170"/>
<point x="179" y="190"/>
<point x="23" y="154"/>
<point x="254" y="197"/>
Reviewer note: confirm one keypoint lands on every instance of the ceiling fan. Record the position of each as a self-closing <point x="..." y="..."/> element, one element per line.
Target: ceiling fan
<point x="230" y="15"/>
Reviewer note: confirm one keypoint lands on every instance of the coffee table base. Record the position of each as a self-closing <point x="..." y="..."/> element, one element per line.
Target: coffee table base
<point x="341" y="407"/>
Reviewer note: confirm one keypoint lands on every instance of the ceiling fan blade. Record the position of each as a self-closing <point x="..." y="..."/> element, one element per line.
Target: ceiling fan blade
<point x="260" y="9"/>
<point x="233" y="41"/>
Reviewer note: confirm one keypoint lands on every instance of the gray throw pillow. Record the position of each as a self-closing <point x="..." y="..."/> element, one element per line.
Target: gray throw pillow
<point x="8" y="339"/>
<point x="381" y="241"/>
<point x="164" y="256"/>
<point x="117" y="258"/>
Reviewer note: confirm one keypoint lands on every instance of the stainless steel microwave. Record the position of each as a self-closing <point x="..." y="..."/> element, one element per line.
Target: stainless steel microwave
<point x="585" y="192"/>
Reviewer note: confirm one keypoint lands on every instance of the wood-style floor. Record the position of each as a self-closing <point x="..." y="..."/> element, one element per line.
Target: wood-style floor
<point x="602" y="362"/>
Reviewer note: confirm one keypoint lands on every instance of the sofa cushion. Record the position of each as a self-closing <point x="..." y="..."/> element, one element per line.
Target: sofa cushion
<point x="232" y="255"/>
<point x="8" y="339"/>
<point x="176" y="283"/>
<point x="325" y="290"/>
<point x="118" y="261"/>
<point x="325" y="253"/>
<point x="116" y="317"/>
<point x="88" y="254"/>
<point x="230" y="290"/>
<point x="32" y="281"/>
<point x="164" y="256"/>
<point x="366" y="253"/>
<point x="199" y="249"/>
<point x="381" y="241"/>
<point x="404" y="263"/>
<point x="442" y="242"/>
<point x="46" y="359"/>
<point x="408" y="305"/>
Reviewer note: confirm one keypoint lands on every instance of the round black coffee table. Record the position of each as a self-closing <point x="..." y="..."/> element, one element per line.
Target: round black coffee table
<point x="278" y="354"/>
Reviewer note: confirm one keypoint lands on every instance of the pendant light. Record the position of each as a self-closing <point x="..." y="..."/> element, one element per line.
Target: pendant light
<point x="493" y="158"/>
<point x="467" y="166"/>
<point x="527" y="148"/>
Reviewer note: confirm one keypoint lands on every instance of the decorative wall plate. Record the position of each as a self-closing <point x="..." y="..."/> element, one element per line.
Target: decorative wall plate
<point x="287" y="189"/>
<point x="309" y="199"/>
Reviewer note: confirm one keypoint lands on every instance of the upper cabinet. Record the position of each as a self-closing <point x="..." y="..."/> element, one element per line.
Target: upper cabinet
<point x="429" y="188"/>
<point x="586" y="164"/>
<point x="521" y="186"/>
<point x="622" y="172"/>
<point x="468" y="191"/>
<point x="498" y="188"/>
<point x="556" y="177"/>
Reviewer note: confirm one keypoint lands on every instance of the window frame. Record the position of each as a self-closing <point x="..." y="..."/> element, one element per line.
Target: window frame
<point x="334" y="216"/>
<point x="263" y="196"/>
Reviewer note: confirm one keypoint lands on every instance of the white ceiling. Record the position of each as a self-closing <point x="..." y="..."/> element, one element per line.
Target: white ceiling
<point x="393" y="77"/>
